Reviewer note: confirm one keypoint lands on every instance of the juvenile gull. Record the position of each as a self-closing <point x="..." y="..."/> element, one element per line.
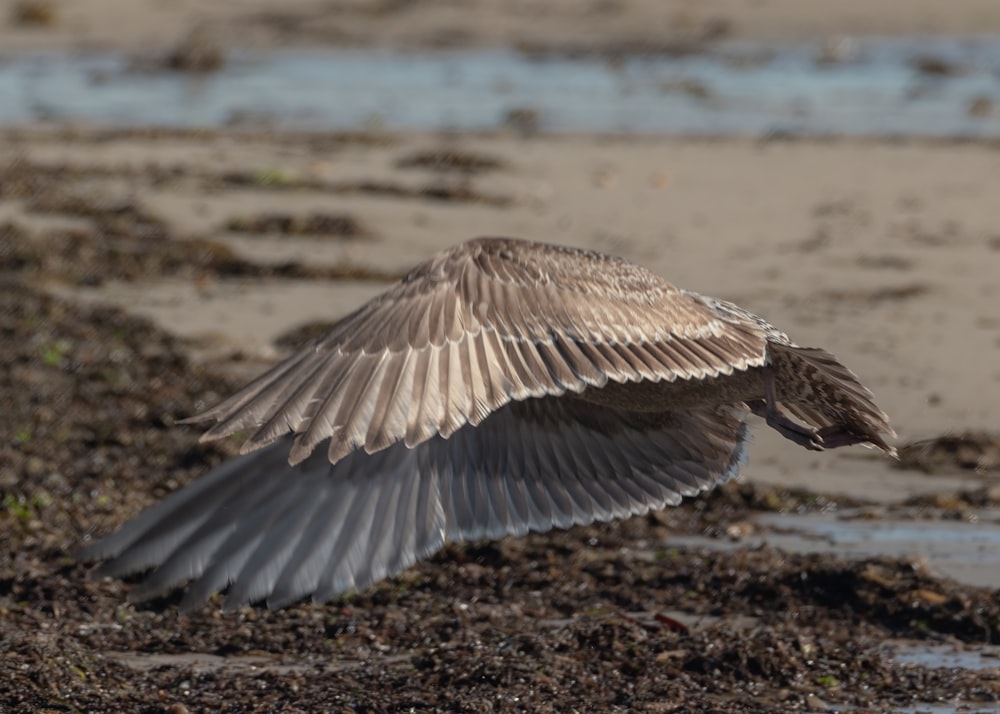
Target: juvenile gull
<point x="501" y="387"/>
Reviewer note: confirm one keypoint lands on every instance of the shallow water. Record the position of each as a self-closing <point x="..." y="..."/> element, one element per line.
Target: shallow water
<point x="964" y="657"/>
<point x="953" y="707"/>
<point x="968" y="552"/>
<point x="946" y="656"/>
<point x="875" y="88"/>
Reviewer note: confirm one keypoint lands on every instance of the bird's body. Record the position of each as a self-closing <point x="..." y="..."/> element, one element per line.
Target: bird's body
<point x="503" y="386"/>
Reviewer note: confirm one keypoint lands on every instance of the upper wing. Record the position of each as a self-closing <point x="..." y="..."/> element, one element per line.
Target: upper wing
<point x="487" y="322"/>
<point x="278" y="532"/>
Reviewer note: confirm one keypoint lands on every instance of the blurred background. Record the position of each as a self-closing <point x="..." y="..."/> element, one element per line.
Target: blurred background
<point x="681" y="67"/>
<point x="188" y="190"/>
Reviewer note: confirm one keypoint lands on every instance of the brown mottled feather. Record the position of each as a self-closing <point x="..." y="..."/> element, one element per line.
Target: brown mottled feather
<point x="820" y="391"/>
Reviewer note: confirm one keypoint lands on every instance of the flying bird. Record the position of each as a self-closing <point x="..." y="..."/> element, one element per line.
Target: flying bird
<point x="501" y="387"/>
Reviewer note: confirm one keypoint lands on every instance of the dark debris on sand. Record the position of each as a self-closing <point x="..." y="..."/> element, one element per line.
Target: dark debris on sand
<point x="333" y="225"/>
<point x="966" y="451"/>
<point x="114" y="238"/>
<point x="584" y="620"/>
<point x="90" y="257"/>
<point x="447" y="160"/>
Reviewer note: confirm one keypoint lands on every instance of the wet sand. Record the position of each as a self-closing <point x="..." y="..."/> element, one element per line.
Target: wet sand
<point x="144" y="274"/>
<point x="563" y="25"/>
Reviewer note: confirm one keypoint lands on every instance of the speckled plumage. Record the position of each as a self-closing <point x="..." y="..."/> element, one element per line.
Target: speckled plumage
<point x="502" y="386"/>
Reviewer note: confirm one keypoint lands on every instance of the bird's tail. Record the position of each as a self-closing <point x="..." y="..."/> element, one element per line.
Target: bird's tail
<point x="822" y="392"/>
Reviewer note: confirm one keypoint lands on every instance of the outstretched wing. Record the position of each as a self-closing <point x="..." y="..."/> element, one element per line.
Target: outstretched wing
<point x="275" y="532"/>
<point x="488" y="322"/>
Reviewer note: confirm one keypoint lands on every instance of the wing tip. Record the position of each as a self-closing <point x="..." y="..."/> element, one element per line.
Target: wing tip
<point x="196" y="418"/>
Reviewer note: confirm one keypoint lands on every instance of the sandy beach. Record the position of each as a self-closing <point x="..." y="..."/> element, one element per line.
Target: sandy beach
<point x="146" y="273"/>
<point x="593" y="25"/>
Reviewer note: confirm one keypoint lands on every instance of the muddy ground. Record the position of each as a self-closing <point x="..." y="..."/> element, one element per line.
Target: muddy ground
<point x="609" y="618"/>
